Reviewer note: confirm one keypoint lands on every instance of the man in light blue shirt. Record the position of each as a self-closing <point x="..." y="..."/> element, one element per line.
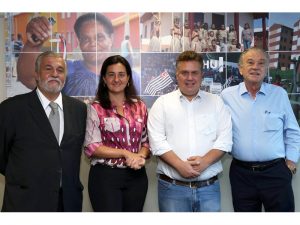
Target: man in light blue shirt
<point x="266" y="139"/>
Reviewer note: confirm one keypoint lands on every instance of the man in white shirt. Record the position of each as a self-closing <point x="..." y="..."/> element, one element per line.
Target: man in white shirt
<point x="189" y="130"/>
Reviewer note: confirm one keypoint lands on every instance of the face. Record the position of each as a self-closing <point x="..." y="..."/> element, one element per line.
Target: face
<point x="254" y="66"/>
<point x="51" y="76"/>
<point x="116" y="78"/>
<point x="189" y="78"/>
<point x="92" y="39"/>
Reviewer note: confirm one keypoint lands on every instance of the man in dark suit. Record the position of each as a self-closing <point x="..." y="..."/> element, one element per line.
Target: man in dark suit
<point x="41" y="166"/>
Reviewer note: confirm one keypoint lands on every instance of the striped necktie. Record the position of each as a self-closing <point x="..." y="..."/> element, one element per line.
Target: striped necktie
<point x="54" y="119"/>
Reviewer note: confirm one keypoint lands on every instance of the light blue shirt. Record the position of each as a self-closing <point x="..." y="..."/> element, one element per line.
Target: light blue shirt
<point x="264" y="128"/>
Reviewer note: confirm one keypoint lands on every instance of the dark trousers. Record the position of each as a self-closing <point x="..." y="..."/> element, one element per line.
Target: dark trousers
<point x="60" y="207"/>
<point x="271" y="188"/>
<point x="116" y="189"/>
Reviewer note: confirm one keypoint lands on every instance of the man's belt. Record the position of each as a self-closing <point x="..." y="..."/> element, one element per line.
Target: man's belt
<point x="192" y="184"/>
<point x="257" y="166"/>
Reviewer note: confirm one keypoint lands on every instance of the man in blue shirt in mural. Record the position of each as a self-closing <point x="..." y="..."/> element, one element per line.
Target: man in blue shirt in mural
<point x="266" y="139"/>
<point x="94" y="32"/>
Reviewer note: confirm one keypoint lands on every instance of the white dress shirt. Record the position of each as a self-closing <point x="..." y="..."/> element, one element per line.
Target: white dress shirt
<point x="189" y="128"/>
<point x="45" y="103"/>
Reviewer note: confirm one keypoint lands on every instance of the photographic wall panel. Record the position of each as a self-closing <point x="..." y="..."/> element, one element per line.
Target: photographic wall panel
<point x="157" y="38"/>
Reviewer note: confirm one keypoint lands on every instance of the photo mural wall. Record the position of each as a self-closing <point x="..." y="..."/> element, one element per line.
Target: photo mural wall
<point x="151" y="41"/>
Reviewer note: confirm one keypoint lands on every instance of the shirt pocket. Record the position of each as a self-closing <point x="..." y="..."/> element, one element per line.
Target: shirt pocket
<point x="111" y="124"/>
<point x="206" y="124"/>
<point x="138" y="124"/>
<point x="273" y="121"/>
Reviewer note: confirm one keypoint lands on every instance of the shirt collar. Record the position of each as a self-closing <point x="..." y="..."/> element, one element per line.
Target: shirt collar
<point x="243" y="89"/>
<point x="45" y="101"/>
<point x="181" y="96"/>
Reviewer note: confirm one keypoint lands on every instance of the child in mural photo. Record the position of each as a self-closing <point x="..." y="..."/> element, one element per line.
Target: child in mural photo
<point x="154" y="45"/>
<point x="187" y="36"/>
<point x="247" y="36"/>
<point x="195" y="44"/>
<point x="176" y="33"/>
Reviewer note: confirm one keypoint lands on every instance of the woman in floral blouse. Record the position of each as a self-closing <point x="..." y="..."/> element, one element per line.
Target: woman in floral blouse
<point x="117" y="142"/>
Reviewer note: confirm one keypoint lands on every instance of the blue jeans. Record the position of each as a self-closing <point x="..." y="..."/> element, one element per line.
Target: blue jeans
<point x="175" y="198"/>
<point x="247" y="44"/>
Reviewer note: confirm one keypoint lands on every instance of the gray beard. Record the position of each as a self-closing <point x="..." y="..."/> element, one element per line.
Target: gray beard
<point x="54" y="90"/>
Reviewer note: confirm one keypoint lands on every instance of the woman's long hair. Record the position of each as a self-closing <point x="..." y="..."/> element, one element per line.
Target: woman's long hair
<point x="102" y="94"/>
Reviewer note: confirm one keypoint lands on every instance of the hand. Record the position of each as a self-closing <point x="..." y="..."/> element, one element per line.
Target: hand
<point x="134" y="160"/>
<point x="38" y="30"/>
<point x="186" y="170"/>
<point x="197" y="163"/>
<point x="138" y="164"/>
<point x="291" y="165"/>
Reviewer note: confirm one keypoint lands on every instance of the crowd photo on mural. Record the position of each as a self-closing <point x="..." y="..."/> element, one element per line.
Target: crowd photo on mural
<point x="153" y="55"/>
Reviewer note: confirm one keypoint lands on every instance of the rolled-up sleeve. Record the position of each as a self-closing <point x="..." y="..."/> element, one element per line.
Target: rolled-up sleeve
<point x="291" y="135"/>
<point x="145" y="139"/>
<point x="92" y="135"/>
<point x="156" y="129"/>
<point x="224" y="133"/>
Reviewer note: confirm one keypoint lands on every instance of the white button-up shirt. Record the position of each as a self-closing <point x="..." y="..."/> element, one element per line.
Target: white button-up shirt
<point x="189" y="128"/>
<point x="45" y="103"/>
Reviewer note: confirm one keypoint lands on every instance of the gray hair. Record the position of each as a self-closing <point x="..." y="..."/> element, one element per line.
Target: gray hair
<point x="256" y="49"/>
<point x="44" y="55"/>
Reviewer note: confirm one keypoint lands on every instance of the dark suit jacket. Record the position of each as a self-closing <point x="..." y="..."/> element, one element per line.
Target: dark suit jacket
<point x="31" y="159"/>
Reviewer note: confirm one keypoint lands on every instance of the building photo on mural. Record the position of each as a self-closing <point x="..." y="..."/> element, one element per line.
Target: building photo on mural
<point x="151" y="42"/>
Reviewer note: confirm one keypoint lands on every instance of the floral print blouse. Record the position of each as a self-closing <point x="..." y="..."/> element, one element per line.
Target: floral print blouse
<point x="107" y="127"/>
